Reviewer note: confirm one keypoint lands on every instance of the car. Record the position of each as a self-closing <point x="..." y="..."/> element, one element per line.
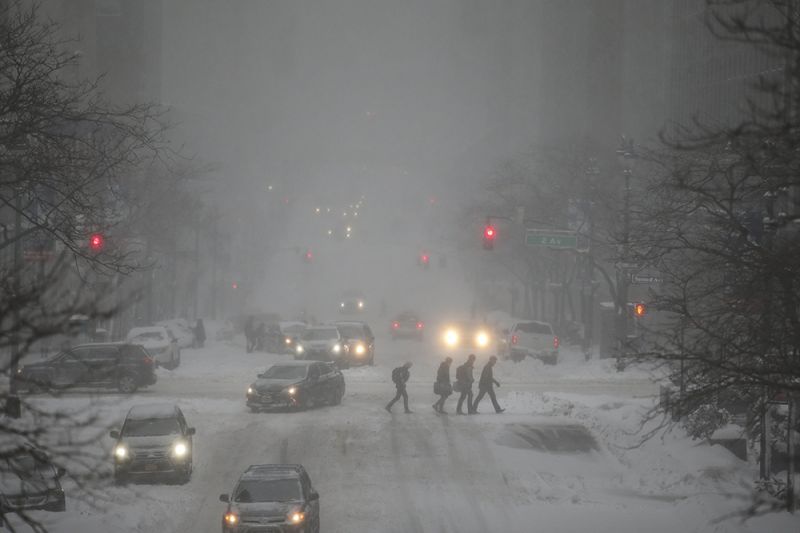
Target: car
<point x="125" y="367"/>
<point x="530" y="338"/>
<point x="155" y="441"/>
<point x="296" y="384"/>
<point x="323" y="343"/>
<point x="181" y="330"/>
<point x="159" y="342"/>
<point x="407" y="325"/>
<point x="272" y="498"/>
<point x="292" y="332"/>
<point x="30" y="481"/>
<point x="467" y="335"/>
<point x="352" y="302"/>
<point x="358" y="342"/>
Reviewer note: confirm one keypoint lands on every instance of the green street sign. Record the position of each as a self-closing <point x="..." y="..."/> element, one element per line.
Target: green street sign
<point x="563" y="240"/>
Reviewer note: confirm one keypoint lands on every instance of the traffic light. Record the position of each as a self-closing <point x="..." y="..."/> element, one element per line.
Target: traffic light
<point x="489" y="234"/>
<point x="308" y="257"/>
<point x="639" y="310"/>
<point x="97" y="242"/>
<point x="424" y="260"/>
<point x="234" y="285"/>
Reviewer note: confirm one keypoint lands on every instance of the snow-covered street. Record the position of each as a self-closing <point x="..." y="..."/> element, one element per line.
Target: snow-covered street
<point x="557" y="456"/>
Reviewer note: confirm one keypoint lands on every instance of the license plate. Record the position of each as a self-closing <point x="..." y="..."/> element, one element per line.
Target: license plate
<point x="150" y="468"/>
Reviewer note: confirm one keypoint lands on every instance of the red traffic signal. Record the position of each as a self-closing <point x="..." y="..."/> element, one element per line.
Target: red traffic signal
<point x="489" y="234"/>
<point x="639" y="309"/>
<point x="96" y="242"/>
<point x="308" y="257"/>
<point x="234" y="285"/>
<point x="424" y="260"/>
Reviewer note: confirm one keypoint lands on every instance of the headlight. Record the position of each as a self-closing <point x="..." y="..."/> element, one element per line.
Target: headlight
<point x="300" y="348"/>
<point x="180" y="449"/>
<point x="341" y="305"/>
<point x="451" y="337"/>
<point x="336" y="348"/>
<point x="296" y="517"/>
<point x="250" y="390"/>
<point x="291" y="391"/>
<point x="231" y="519"/>
<point x="287" y="340"/>
<point x="482" y="339"/>
<point x="121" y="452"/>
<point x="361" y="305"/>
<point x="360" y="349"/>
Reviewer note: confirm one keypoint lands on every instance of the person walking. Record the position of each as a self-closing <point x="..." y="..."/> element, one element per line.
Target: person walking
<point x="464" y="381"/>
<point x="442" y="386"/>
<point x="486" y="385"/>
<point x="249" y="334"/>
<point x="260" y="337"/>
<point x="199" y="334"/>
<point x="400" y="376"/>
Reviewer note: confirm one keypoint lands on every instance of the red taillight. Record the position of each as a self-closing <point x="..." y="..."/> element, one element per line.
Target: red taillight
<point x="396" y="325"/>
<point x="514" y="339"/>
<point x="147" y="360"/>
<point x="419" y="325"/>
<point x="555" y="342"/>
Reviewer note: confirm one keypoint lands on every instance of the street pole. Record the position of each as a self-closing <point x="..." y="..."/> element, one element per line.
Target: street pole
<point x="626" y="152"/>
<point x="790" y="501"/>
<point x="15" y="349"/>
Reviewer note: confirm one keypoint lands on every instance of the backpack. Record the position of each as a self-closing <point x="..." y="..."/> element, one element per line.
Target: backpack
<point x="397" y="375"/>
<point x="461" y="373"/>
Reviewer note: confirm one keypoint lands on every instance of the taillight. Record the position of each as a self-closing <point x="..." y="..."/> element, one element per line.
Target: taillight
<point x="514" y="339"/>
<point x="396" y="325"/>
<point x="147" y="360"/>
<point x="419" y="325"/>
<point x="555" y="342"/>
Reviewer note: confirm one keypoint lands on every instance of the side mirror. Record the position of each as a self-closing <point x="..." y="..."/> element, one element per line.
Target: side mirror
<point x="114" y="434"/>
<point x="60" y="472"/>
<point x="313" y="496"/>
<point x="190" y="431"/>
<point x="224" y="498"/>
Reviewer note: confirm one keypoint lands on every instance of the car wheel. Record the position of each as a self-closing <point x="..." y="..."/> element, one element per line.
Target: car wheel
<point x="120" y="479"/>
<point x="127" y="384"/>
<point x="184" y="477"/>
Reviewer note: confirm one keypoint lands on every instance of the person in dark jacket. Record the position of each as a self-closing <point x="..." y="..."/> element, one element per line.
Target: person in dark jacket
<point x="443" y="387"/>
<point x="199" y="333"/>
<point x="400" y="376"/>
<point x="464" y="380"/>
<point x="249" y="334"/>
<point x="260" y="337"/>
<point x="486" y="386"/>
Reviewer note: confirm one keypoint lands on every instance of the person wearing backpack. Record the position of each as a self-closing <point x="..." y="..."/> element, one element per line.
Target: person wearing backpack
<point x="400" y="376"/>
<point x="442" y="386"/>
<point x="464" y="382"/>
<point x="486" y="386"/>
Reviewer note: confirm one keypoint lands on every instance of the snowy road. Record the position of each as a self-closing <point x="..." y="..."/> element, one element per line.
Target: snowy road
<point x="556" y="457"/>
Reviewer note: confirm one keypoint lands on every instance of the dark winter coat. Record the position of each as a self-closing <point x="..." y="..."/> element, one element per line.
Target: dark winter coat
<point x="464" y="374"/>
<point x="443" y="374"/>
<point x="400" y="376"/>
<point x="487" y="378"/>
<point x="200" y="332"/>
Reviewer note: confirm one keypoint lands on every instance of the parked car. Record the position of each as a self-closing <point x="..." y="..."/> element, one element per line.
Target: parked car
<point x="110" y="365"/>
<point x="181" y="330"/>
<point x="30" y="481"/>
<point x="277" y="498"/>
<point x="159" y="342"/>
<point x="323" y="343"/>
<point x="358" y="342"/>
<point x="155" y="440"/>
<point x="530" y="338"/>
<point x="296" y="384"/>
<point x="407" y="325"/>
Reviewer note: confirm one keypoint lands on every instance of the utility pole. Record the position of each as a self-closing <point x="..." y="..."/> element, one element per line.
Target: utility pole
<point x="588" y="277"/>
<point x="15" y="350"/>
<point x="626" y="153"/>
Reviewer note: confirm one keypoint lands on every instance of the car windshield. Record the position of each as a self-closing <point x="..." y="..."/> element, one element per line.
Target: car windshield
<point x="148" y="336"/>
<point x="273" y="490"/>
<point x="26" y="464"/>
<point x="151" y="427"/>
<point x="351" y="332"/>
<point x="326" y="334"/>
<point x="286" y="372"/>
<point x="293" y="330"/>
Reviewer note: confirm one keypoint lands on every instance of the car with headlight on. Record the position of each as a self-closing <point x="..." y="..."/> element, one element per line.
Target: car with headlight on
<point x="321" y="343"/>
<point x="467" y="336"/>
<point x="358" y="342"/>
<point x="291" y="333"/>
<point x="296" y="385"/>
<point x="272" y="499"/>
<point x="29" y="481"/>
<point x="407" y="325"/>
<point x="155" y="442"/>
<point x="352" y="302"/>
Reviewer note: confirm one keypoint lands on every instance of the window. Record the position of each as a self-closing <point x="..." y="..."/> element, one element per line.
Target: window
<point x="274" y="490"/>
<point x="535" y="328"/>
<point x="285" y="372"/>
<point x="313" y="372"/>
<point x="151" y="427"/>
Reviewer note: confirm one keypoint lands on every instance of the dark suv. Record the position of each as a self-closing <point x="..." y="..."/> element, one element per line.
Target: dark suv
<point x="126" y="367"/>
<point x="28" y="481"/>
<point x="272" y="498"/>
<point x="155" y="441"/>
<point x="296" y="384"/>
<point x="358" y="342"/>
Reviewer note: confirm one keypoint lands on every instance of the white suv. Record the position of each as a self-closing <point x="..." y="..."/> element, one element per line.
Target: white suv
<point x="533" y="339"/>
